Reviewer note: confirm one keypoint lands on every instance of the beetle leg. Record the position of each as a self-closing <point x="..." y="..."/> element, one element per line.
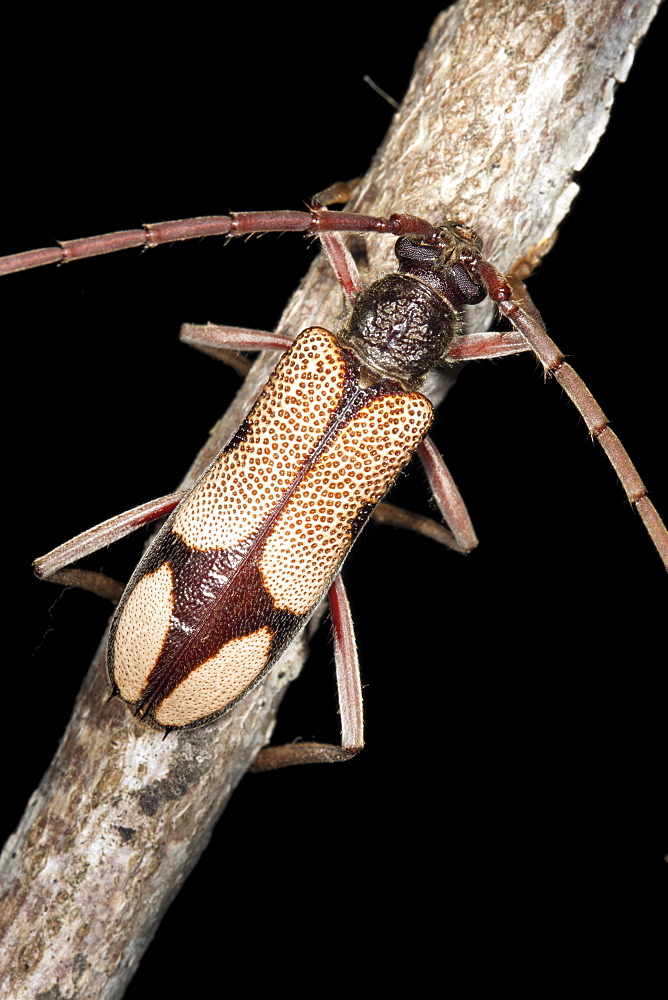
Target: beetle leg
<point x="209" y="338"/>
<point x="462" y="538"/>
<point x="492" y="344"/>
<point x="447" y="497"/>
<point x="53" y="565"/>
<point x="349" y="686"/>
<point x="97" y="583"/>
<point x="223" y="343"/>
<point x="342" y="263"/>
<point x="338" y="193"/>
<point x="333" y="245"/>
<point x="399" y="517"/>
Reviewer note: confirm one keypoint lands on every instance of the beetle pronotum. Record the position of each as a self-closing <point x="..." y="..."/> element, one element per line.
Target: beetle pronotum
<point x="455" y="583"/>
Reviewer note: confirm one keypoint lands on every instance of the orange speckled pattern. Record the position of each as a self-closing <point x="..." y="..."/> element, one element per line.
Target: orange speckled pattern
<point x="354" y="470"/>
<point x="245" y="483"/>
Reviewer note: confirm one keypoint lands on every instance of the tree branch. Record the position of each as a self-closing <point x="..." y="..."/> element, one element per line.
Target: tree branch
<point x="507" y="102"/>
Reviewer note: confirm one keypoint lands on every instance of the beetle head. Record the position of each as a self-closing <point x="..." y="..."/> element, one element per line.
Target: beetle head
<point x="446" y="260"/>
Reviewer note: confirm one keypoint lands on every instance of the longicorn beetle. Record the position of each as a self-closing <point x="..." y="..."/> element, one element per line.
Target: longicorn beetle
<point x="246" y="557"/>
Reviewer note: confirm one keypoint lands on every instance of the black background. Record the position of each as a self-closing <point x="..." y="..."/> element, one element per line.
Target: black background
<point x="512" y="766"/>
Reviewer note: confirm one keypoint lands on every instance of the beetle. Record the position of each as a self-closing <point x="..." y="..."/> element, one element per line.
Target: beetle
<point x="245" y="559"/>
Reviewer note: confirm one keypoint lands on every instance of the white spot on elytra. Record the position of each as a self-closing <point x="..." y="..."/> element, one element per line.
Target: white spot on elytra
<point x="141" y="631"/>
<point x="218" y="681"/>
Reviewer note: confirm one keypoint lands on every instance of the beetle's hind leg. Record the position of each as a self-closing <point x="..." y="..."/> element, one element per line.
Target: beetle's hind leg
<point x="462" y="538"/>
<point x="349" y="687"/>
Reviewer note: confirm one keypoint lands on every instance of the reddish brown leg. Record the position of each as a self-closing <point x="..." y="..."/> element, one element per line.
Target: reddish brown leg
<point x="398" y="517"/>
<point x="343" y="265"/>
<point x="448" y="498"/>
<point x="482" y="346"/>
<point x="83" y="579"/>
<point x="235" y="338"/>
<point x="223" y="343"/>
<point x="336" y="194"/>
<point x="462" y="538"/>
<point x="334" y="246"/>
<point x="53" y="565"/>
<point x="349" y="687"/>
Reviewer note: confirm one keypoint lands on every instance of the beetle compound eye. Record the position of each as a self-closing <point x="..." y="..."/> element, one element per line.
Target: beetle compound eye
<point x="470" y="291"/>
<point x="407" y="249"/>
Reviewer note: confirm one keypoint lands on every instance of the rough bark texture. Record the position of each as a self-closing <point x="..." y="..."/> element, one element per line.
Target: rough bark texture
<point x="121" y="817"/>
